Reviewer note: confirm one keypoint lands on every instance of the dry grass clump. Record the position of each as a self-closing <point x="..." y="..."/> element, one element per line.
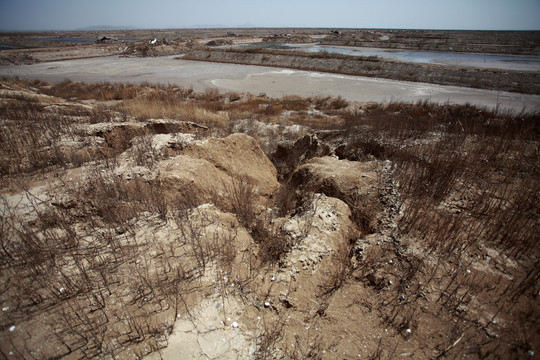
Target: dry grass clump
<point x="98" y="292"/>
<point x="242" y="199"/>
<point x="468" y="181"/>
<point x="103" y="267"/>
<point x="33" y="135"/>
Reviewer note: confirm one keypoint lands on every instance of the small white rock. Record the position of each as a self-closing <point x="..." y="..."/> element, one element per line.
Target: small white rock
<point x="234" y="324"/>
<point x="408" y="331"/>
<point x="267" y="304"/>
<point x="5" y="308"/>
<point x="12" y="328"/>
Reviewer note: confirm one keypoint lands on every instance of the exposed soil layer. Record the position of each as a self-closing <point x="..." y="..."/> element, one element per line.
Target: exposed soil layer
<point x="513" y="81"/>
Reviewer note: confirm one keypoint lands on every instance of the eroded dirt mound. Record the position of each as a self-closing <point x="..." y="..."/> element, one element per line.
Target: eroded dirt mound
<point x="338" y="178"/>
<point x="289" y="155"/>
<point x="123" y="236"/>
<point x="356" y="183"/>
<point x="238" y="155"/>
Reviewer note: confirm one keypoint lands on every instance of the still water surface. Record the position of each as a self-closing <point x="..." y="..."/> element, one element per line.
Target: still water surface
<point x="506" y="62"/>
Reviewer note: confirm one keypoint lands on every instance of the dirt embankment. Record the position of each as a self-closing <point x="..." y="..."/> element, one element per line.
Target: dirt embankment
<point x="513" y="81"/>
<point x="494" y="42"/>
<point x="81" y="51"/>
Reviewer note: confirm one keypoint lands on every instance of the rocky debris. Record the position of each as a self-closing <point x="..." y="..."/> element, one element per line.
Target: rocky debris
<point x="219" y="42"/>
<point x="118" y="135"/>
<point x="391" y="202"/>
<point x="267" y="133"/>
<point x="174" y="140"/>
<point x="144" y="152"/>
<point x="260" y="129"/>
<point x="289" y="155"/>
<point x="319" y="231"/>
<point x="154" y="47"/>
<point x="163" y="41"/>
<point x="499" y="42"/>
<point x="106" y="39"/>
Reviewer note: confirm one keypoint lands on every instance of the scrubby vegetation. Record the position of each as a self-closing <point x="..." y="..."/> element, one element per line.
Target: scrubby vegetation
<point x="395" y="229"/>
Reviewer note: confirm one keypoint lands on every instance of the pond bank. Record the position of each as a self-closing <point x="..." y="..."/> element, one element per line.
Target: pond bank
<point x="275" y="82"/>
<point x="493" y="79"/>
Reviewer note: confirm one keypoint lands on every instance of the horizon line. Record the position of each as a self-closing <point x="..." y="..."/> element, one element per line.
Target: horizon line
<point x="202" y="27"/>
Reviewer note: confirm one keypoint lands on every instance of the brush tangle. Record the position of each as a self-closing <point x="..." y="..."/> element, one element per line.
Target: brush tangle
<point x="150" y="220"/>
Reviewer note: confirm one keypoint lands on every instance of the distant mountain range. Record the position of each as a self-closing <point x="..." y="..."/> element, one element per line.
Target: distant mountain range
<point x="106" y="27"/>
<point x="196" y="26"/>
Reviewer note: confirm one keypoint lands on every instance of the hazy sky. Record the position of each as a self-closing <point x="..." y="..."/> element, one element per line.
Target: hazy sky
<point x="415" y="14"/>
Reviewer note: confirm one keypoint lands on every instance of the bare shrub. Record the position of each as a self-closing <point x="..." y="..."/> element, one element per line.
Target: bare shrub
<point x="273" y="242"/>
<point x="271" y="335"/>
<point x="285" y="199"/>
<point x="295" y="103"/>
<point x="242" y="199"/>
<point x="341" y="269"/>
<point x="144" y="152"/>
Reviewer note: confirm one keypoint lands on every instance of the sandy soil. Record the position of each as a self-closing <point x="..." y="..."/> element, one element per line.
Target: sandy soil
<point x="256" y="79"/>
<point x="127" y="233"/>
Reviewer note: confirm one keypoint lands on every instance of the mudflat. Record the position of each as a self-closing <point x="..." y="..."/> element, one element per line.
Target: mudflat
<point x="155" y="56"/>
<point x="275" y="82"/>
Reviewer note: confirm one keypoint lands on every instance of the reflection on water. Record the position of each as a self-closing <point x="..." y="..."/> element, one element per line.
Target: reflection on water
<point x="9" y="47"/>
<point x="507" y="62"/>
